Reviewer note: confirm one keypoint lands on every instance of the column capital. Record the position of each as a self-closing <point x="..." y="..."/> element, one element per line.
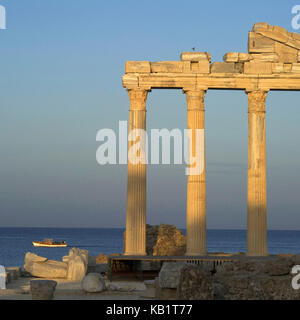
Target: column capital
<point x="137" y="99"/>
<point x="195" y="99"/>
<point x="257" y="100"/>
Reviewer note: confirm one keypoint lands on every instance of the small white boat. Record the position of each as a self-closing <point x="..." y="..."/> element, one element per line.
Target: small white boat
<point x="49" y="243"/>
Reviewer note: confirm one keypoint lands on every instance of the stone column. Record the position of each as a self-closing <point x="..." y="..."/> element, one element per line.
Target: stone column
<point x="257" y="183"/>
<point x="136" y="184"/>
<point x="196" y="186"/>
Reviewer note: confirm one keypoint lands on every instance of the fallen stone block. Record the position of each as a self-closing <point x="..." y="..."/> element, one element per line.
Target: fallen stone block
<point x="169" y="274"/>
<point x="93" y="282"/>
<point x="43" y="268"/>
<point x="77" y="268"/>
<point x="48" y="269"/>
<point x="150" y="289"/>
<point x="31" y="257"/>
<point x="42" y="289"/>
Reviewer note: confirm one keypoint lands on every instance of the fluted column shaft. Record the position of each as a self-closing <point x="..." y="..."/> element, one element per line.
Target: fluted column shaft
<point x="257" y="183"/>
<point x="196" y="185"/>
<point x="136" y="183"/>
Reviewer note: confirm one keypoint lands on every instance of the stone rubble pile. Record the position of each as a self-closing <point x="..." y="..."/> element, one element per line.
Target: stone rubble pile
<point x="73" y="267"/>
<point x="271" y="50"/>
<point x="266" y="278"/>
<point x="163" y="240"/>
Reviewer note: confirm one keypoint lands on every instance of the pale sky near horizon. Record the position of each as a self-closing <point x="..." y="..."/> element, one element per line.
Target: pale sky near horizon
<point x="61" y="67"/>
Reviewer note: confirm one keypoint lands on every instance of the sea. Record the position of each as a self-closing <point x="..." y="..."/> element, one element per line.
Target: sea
<point x="15" y="242"/>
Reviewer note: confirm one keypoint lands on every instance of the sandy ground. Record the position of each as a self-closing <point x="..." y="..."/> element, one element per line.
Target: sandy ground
<point x="68" y="290"/>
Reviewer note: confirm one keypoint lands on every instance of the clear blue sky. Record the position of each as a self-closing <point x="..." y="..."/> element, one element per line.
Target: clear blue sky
<point x="61" y="64"/>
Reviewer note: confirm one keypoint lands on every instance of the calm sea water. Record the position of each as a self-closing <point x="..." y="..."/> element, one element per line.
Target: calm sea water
<point x="15" y="242"/>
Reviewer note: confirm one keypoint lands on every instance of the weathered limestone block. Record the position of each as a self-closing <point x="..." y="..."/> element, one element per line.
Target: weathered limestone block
<point x="93" y="282"/>
<point x="130" y="79"/>
<point x="42" y="267"/>
<point x="48" y="269"/>
<point x="285" y="53"/>
<point x="298" y="56"/>
<point x="167" y="67"/>
<point x="260" y="26"/>
<point x="196" y="66"/>
<point x="137" y="67"/>
<point x="150" y="289"/>
<point x="226" y="67"/>
<point x="77" y="261"/>
<point x="244" y="57"/>
<point x="260" y="44"/>
<point x="200" y="67"/>
<point x="77" y="252"/>
<point x="237" y="57"/>
<point x="169" y="274"/>
<point x="283" y="37"/>
<point x="282" y="67"/>
<point x="231" y="57"/>
<point x="265" y="57"/>
<point x="258" y="67"/>
<point x="295" y="68"/>
<point x="77" y="268"/>
<point x="274" y="32"/>
<point x="31" y="257"/>
<point x="278" y="34"/>
<point x="42" y="289"/>
<point x="194" y="284"/>
<point x="195" y="56"/>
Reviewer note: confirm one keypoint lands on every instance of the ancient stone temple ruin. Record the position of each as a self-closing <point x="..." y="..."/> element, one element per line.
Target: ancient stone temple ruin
<point x="272" y="63"/>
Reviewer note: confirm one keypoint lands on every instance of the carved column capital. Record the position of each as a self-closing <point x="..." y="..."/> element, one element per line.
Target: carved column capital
<point x="138" y="99"/>
<point x="195" y="99"/>
<point x="257" y="101"/>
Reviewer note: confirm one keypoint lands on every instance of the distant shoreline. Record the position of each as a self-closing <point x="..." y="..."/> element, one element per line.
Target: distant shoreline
<point x="123" y="228"/>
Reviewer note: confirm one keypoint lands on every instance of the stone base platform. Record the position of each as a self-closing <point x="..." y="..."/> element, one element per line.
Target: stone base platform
<point x="141" y="265"/>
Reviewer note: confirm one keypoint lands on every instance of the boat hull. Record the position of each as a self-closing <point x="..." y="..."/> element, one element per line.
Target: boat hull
<point x="37" y="244"/>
